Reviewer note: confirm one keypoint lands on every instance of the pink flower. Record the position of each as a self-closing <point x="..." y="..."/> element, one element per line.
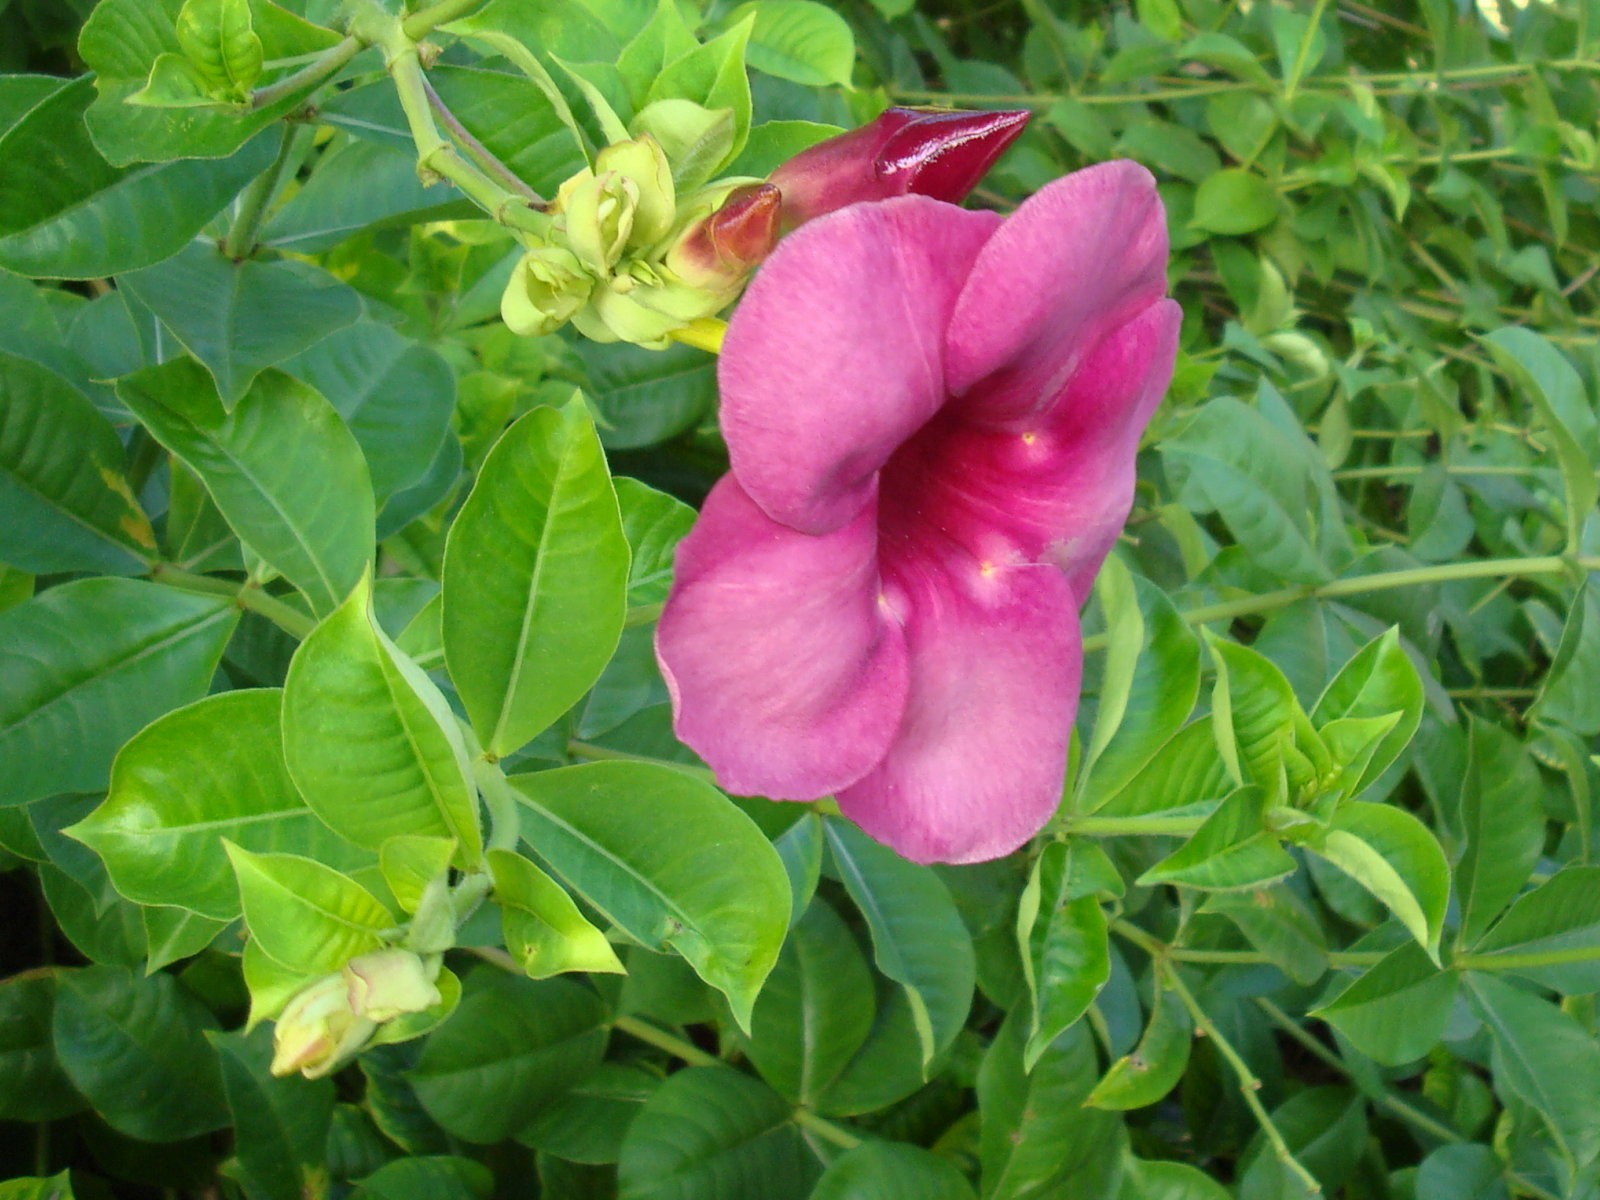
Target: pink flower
<point x="903" y="152"/>
<point x="932" y="416"/>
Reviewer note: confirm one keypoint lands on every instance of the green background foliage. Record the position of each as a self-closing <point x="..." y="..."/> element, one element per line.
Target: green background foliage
<point x="326" y="608"/>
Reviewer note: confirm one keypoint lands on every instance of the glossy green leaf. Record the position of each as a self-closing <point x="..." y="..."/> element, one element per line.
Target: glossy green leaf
<point x="1503" y="834"/>
<point x="535" y="578"/>
<point x="65" y="502"/>
<point x="1164" y="1180"/>
<point x="1379" y="680"/>
<point x="1395" y="1011"/>
<point x="281" y="466"/>
<point x="1185" y="774"/>
<point x="32" y="1085"/>
<point x="544" y="931"/>
<point x="799" y="40"/>
<point x="1066" y="960"/>
<point x="1154" y="1067"/>
<point x="654" y="523"/>
<point x="306" y="916"/>
<point x="891" y="1171"/>
<point x="918" y="939"/>
<point x="219" y="38"/>
<point x="239" y="318"/>
<point x="1234" y="849"/>
<point x="888" y="1067"/>
<point x="1552" y="934"/>
<point x="136" y="1048"/>
<point x="713" y="76"/>
<point x="646" y="396"/>
<point x="371" y="742"/>
<point x="816" y="1009"/>
<point x="357" y="186"/>
<point x="1234" y="201"/>
<point x="1259" y="722"/>
<point x="669" y="861"/>
<point x="588" y="1124"/>
<point x="1125" y="635"/>
<point x="172" y="934"/>
<point x="412" y="863"/>
<point x="161" y="828"/>
<point x="87" y="665"/>
<point x="522" y="1042"/>
<point x="710" y="1132"/>
<point x="67" y="213"/>
<point x="280" y="1125"/>
<point x="1543" y="1057"/>
<point x="1396" y="858"/>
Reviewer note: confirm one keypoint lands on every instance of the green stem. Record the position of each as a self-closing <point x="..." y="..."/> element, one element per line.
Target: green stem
<point x="1527" y="960"/>
<point x="505" y="817"/>
<point x="662" y="1040"/>
<point x="643" y="614"/>
<point x="323" y="67"/>
<point x="824" y="1129"/>
<point x="1249" y="1085"/>
<point x="1304" y="51"/>
<point x="247" y="596"/>
<point x="240" y="243"/>
<point x="1151" y="826"/>
<point x="593" y="753"/>
<point x="480" y="154"/>
<point x="420" y="24"/>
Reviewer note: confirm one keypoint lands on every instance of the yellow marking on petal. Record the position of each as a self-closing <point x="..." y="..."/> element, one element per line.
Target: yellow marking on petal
<point x="706" y="333"/>
<point x="1029" y="439"/>
<point x="987" y="570"/>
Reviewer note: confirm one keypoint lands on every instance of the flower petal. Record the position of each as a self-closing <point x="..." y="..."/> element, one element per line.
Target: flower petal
<point x="977" y="765"/>
<point x="787" y="674"/>
<point x="1078" y="259"/>
<point x="834" y="356"/>
<point x="1056" y="493"/>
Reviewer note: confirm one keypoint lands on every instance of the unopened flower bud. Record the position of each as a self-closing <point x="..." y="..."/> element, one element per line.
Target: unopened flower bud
<point x="544" y="290"/>
<point x="697" y="140"/>
<point x="598" y="212"/>
<point x="904" y="151"/>
<point x="718" y="252"/>
<point x="644" y="164"/>
<point x="388" y="983"/>
<point x="319" y="1030"/>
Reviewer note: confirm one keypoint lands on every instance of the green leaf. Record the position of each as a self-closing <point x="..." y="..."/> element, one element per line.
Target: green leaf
<point x="32" y="1085"/>
<point x="37" y="1187"/>
<point x="1261" y="731"/>
<point x="411" y="862"/>
<point x="1462" y="1171"/>
<point x="1164" y="1180"/>
<point x="888" y="1067"/>
<point x="1395" y="1011"/>
<point x="371" y="742"/>
<point x="136" y="1049"/>
<point x="282" y="468"/>
<point x="1551" y="935"/>
<point x="161" y="828"/>
<point x="521" y="1042"/>
<point x="1115" y="592"/>
<point x="1545" y="1058"/>
<point x="544" y="930"/>
<point x="1233" y="850"/>
<point x="432" y="1177"/>
<point x="918" y="939"/>
<point x="1556" y="392"/>
<point x="306" y="916"/>
<point x="172" y="934"/>
<point x="1503" y="833"/>
<point x="239" y="318"/>
<point x="1277" y="922"/>
<point x="711" y="1132"/>
<point x="1185" y="775"/>
<point x="1154" y="1067"/>
<point x="816" y="1009"/>
<point x="1319" y="1125"/>
<point x="1068" y="959"/>
<point x="798" y="40"/>
<point x="713" y="76"/>
<point x="1396" y="858"/>
<point x="65" y="502"/>
<point x="654" y="523"/>
<point x="642" y="397"/>
<point x="1381" y="679"/>
<point x="1566" y="695"/>
<point x="88" y="664"/>
<point x="218" y="37"/>
<point x="1234" y="201"/>
<point x="280" y="1125"/>
<point x="891" y="1171"/>
<point x="535" y="578"/>
<point x="396" y="395"/>
<point x="669" y="861"/>
<point x="773" y="143"/>
<point x="588" y="1124"/>
<point x="67" y="213"/>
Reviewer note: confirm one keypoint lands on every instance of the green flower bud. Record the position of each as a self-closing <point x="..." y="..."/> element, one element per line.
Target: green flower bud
<point x="697" y="140"/>
<point x="644" y="306"/>
<point x="547" y="287"/>
<point x="319" y="1031"/>
<point x="597" y="212"/>
<point x="643" y="163"/>
<point x="387" y="983"/>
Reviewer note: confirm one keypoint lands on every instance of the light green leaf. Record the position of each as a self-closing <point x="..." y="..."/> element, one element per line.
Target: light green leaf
<point x="816" y="1009"/>
<point x="1063" y="938"/>
<point x="410" y="862"/>
<point x="172" y="934"/>
<point x="520" y="1041"/>
<point x="37" y="1187"/>
<point x="1551" y="935"/>
<point x="1233" y="850"/>
<point x="371" y="742"/>
<point x="1155" y="1065"/>
<point x="1395" y="1011"/>
<point x="305" y="916"/>
<point x="219" y="38"/>
<point x="87" y="665"/>
<point x="65" y="502"/>
<point x="66" y="213"/>
<point x="1503" y="833"/>
<point x="798" y="40"/>
<point x="669" y="861"/>
<point x="1277" y="922"/>
<point x="710" y="1131"/>
<point x="654" y="523"/>
<point x="1381" y="679"/>
<point x="1234" y="201"/>
<point x="544" y="930"/>
<point x="535" y="578"/>
<point x="713" y="76"/>
<point x="282" y="468"/>
<point x="161" y="828"/>
<point x="918" y="939"/>
<point x="1119" y="605"/>
<point x="136" y="1048"/>
<point x="1396" y="858"/>
<point x="239" y="318"/>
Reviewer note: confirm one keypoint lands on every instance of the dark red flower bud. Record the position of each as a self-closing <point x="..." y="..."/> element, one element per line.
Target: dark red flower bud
<point x="723" y="247"/>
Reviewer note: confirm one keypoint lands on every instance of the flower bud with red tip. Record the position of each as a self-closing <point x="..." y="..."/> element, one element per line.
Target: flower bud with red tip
<point x="904" y="151"/>
<point x="721" y="249"/>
